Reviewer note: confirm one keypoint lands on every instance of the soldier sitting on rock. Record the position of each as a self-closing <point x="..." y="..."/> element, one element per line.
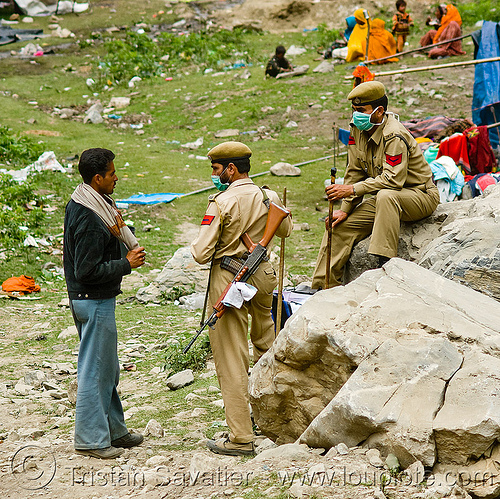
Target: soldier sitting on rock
<point x="385" y="161"/>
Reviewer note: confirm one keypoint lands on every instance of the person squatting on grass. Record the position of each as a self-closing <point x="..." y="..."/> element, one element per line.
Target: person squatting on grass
<point x="384" y="160"/>
<point x="94" y="236"/>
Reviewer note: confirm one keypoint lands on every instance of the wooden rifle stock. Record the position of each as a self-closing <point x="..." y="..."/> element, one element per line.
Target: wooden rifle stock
<point x="275" y="216"/>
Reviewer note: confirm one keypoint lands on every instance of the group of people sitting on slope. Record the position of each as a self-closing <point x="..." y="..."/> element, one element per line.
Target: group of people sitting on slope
<point x="367" y="39"/>
<point x="364" y="34"/>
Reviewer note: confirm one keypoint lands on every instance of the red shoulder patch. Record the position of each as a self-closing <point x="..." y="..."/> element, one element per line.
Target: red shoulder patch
<point x="393" y="160"/>
<point x="207" y="219"/>
<point x="351" y="142"/>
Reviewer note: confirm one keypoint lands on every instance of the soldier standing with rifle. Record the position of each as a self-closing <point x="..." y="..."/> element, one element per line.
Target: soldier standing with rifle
<point x="240" y="208"/>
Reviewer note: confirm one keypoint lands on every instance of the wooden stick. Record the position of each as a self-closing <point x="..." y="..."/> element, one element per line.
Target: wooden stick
<point x="426" y="68"/>
<point x="333" y="172"/>
<point x="493" y="125"/>
<point x="419" y="49"/>
<point x="281" y="275"/>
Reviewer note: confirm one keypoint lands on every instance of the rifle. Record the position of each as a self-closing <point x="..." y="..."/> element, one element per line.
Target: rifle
<point x="257" y="253"/>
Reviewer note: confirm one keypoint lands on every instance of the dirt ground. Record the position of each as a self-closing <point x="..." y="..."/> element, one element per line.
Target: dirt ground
<point x="282" y="15"/>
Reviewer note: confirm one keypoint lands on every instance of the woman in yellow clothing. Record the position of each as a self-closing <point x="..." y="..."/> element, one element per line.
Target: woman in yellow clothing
<point x="382" y="43"/>
<point x="356" y="47"/>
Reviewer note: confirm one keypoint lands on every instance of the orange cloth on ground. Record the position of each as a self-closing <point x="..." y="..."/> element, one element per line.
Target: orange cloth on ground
<point x="381" y="43"/>
<point x="23" y="284"/>
<point x="356" y="46"/>
<point x="452" y="14"/>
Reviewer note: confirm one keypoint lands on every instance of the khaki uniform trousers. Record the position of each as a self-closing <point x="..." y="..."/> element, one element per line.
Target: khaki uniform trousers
<point x="379" y="216"/>
<point x="229" y="341"/>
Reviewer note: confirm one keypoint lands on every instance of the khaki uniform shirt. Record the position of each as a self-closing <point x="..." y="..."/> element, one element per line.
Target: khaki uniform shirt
<point x="229" y="215"/>
<point x="384" y="161"/>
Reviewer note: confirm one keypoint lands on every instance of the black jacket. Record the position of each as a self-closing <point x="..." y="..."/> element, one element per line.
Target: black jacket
<point x="93" y="263"/>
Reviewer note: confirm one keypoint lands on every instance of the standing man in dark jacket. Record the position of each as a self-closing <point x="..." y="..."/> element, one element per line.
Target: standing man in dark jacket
<point x="93" y="233"/>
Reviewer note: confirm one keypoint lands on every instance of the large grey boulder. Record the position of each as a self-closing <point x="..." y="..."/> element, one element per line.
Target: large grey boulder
<point x="459" y="241"/>
<point x="386" y="362"/>
<point x="181" y="275"/>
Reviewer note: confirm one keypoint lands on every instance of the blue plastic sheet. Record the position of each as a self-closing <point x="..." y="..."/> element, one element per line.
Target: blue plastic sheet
<point x="486" y="98"/>
<point x="161" y="197"/>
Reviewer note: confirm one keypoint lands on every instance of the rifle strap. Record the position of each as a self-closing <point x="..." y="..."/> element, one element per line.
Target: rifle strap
<point x="207" y="291"/>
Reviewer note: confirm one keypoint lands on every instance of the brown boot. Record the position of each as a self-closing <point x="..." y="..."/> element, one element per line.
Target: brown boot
<point x="228" y="448"/>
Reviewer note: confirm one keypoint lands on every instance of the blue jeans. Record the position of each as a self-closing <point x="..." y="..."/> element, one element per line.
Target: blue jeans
<point x="99" y="413"/>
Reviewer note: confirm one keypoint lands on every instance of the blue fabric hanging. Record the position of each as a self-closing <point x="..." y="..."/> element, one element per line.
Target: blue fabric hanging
<point x="486" y="97"/>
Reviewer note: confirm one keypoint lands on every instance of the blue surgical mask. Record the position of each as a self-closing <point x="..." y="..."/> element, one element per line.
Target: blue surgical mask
<point x="217" y="182"/>
<point x="362" y="121"/>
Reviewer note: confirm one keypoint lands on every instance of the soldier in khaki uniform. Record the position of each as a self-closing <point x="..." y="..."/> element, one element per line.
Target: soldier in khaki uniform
<point x="383" y="160"/>
<point x="240" y="207"/>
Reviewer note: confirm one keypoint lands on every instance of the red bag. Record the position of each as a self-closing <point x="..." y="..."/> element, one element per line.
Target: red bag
<point x="22" y="284"/>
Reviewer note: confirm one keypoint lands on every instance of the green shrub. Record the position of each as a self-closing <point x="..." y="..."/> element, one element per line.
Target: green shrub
<point x="195" y="358"/>
<point x="138" y="55"/>
<point x="486" y="10"/>
<point x="20" y="211"/>
<point x="17" y="150"/>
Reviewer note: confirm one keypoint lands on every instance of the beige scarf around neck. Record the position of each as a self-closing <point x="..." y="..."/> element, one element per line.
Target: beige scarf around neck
<point x="105" y="208"/>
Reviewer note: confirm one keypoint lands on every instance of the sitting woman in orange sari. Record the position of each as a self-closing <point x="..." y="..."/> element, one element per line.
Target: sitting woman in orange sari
<point x="449" y="22"/>
<point x="381" y="42"/>
<point x="356" y="47"/>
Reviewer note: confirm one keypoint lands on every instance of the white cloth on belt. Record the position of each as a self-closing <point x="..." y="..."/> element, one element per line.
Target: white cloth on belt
<point x="238" y="293"/>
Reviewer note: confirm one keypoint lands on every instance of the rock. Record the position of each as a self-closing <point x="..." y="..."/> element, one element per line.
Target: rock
<point x="64" y="303"/>
<point x="119" y="102"/>
<point x="35" y="378"/>
<point x="392" y="463"/>
<point x="293" y="50"/>
<point x="72" y="390"/>
<point x="156" y="461"/>
<point x="93" y="114"/>
<point x="324" y="67"/>
<point x="459" y="241"/>
<point x="203" y="465"/>
<point x="154" y="429"/>
<point x="23" y="389"/>
<point x="470" y="418"/>
<point x="342" y="449"/>
<point x="415" y="473"/>
<point x="194" y="301"/>
<point x="180" y="380"/>
<point x="265" y="445"/>
<point x="231" y="132"/>
<point x="373" y="456"/>
<point x="66" y="113"/>
<point x="69" y="332"/>
<point x="193" y="145"/>
<point x="285" y="170"/>
<point x="291" y="452"/>
<point x="291" y="124"/>
<point x="299" y="491"/>
<point x="181" y="273"/>
<point x="351" y="367"/>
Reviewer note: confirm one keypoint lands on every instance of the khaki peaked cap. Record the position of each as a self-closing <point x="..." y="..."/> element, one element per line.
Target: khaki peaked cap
<point x="229" y="150"/>
<point x="366" y="93"/>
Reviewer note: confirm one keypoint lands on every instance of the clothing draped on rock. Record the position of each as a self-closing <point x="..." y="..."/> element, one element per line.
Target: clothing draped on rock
<point x="382" y="43"/>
